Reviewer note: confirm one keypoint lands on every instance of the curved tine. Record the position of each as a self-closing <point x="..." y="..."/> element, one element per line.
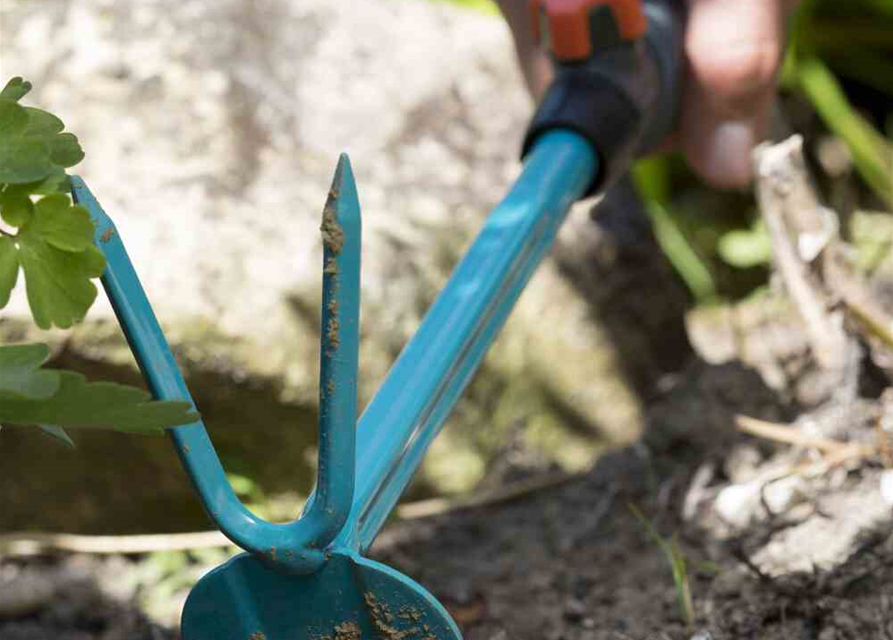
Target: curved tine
<point x="295" y="547"/>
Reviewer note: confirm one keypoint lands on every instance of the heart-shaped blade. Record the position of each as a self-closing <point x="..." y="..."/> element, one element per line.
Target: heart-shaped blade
<point x="349" y="598"/>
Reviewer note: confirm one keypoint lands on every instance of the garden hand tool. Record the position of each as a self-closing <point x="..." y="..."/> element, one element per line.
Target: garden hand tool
<point x="614" y="95"/>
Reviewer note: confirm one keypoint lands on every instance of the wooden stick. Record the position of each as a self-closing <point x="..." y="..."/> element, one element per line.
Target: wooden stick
<point x="787" y="200"/>
<point x="788" y="434"/>
<point x="21" y="544"/>
<point x="38" y="543"/>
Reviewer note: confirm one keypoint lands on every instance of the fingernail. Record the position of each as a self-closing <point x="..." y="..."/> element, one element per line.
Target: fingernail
<point x="728" y="153"/>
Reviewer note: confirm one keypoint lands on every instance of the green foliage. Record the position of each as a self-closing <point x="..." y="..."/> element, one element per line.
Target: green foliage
<point x="854" y="40"/>
<point x="58" y="433"/>
<point x="32" y="142"/>
<point x="57" y="281"/>
<point x="21" y="376"/>
<point x="652" y="181"/>
<point x="745" y="248"/>
<point x="52" y="244"/>
<point x="31" y="395"/>
<point x="872" y="234"/>
<point x="15" y="90"/>
<point x="678" y="563"/>
<point x="872" y="153"/>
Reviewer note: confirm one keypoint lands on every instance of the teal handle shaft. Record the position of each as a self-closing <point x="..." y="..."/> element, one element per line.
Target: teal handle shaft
<point x="434" y="368"/>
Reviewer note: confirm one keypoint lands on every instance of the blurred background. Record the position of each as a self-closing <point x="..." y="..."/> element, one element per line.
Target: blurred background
<point x="211" y="131"/>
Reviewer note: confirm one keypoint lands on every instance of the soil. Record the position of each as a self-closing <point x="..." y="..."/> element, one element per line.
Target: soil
<point x="574" y="563"/>
<point x="72" y="607"/>
<point x="332" y="233"/>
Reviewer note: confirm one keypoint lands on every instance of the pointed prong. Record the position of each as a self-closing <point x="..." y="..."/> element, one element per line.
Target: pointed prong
<point x="341" y="230"/>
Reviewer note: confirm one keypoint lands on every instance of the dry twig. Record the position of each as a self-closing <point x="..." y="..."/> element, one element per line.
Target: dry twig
<point x="799" y="228"/>
<point x="835" y="452"/>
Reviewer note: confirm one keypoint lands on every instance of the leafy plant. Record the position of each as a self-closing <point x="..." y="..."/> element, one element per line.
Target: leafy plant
<point x="51" y="241"/>
<point x="854" y="41"/>
<point x="677" y="561"/>
<point x="652" y="180"/>
<point x="745" y="248"/>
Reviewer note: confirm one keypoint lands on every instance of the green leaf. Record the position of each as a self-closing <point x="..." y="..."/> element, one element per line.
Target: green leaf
<point x="62" y="225"/>
<point x="56" y="432"/>
<point x="42" y="123"/>
<point x="20" y="373"/>
<point x="15" y="208"/>
<point x="9" y="268"/>
<point x="15" y="89"/>
<point x="65" y="150"/>
<point x="57" y="182"/>
<point x="92" y="405"/>
<point x="652" y="179"/>
<point x="872" y="153"/>
<point x="31" y="145"/>
<point x="745" y="248"/>
<point x="679" y="251"/>
<point x="24" y="159"/>
<point x="57" y="282"/>
<point x="13" y="118"/>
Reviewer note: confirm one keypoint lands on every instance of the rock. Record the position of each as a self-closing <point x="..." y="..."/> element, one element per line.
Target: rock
<point x="737" y="503"/>
<point x="211" y="132"/>
<point x="826" y="541"/>
<point x="887" y="486"/>
<point x="25" y="593"/>
<point x="782" y="495"/>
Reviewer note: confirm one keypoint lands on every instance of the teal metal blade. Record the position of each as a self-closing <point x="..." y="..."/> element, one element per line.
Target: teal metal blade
<point x="349" y="598"/>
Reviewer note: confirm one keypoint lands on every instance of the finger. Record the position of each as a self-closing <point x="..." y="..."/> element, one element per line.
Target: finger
<point x="733" y="50"/>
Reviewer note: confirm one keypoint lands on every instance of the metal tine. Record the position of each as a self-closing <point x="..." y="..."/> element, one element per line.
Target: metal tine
<point x="295" y="547"/>
<point x="341" y="230"/>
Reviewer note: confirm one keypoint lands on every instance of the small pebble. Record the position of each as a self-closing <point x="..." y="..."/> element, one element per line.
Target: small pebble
<point x="785" y="494"/>
<point x="26" y="594"/>
<point x="736" y="503"/>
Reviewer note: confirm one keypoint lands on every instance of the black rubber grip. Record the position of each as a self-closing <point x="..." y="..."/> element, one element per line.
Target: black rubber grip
<point x="623" y="100"/>
<point x="596" y="108"/>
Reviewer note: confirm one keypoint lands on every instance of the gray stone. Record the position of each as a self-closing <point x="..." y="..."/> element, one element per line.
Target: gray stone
<point x="211" y="132"/>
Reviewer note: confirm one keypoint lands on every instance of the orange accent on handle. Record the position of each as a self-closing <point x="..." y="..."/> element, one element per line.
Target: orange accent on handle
<point x="568" y="23"/>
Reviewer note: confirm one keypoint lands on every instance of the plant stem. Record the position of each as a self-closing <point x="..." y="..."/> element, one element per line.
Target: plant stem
<point x="872" y="153"/>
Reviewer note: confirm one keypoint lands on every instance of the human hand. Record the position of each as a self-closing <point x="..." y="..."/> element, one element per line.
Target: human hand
<point x="733" y="51"/>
